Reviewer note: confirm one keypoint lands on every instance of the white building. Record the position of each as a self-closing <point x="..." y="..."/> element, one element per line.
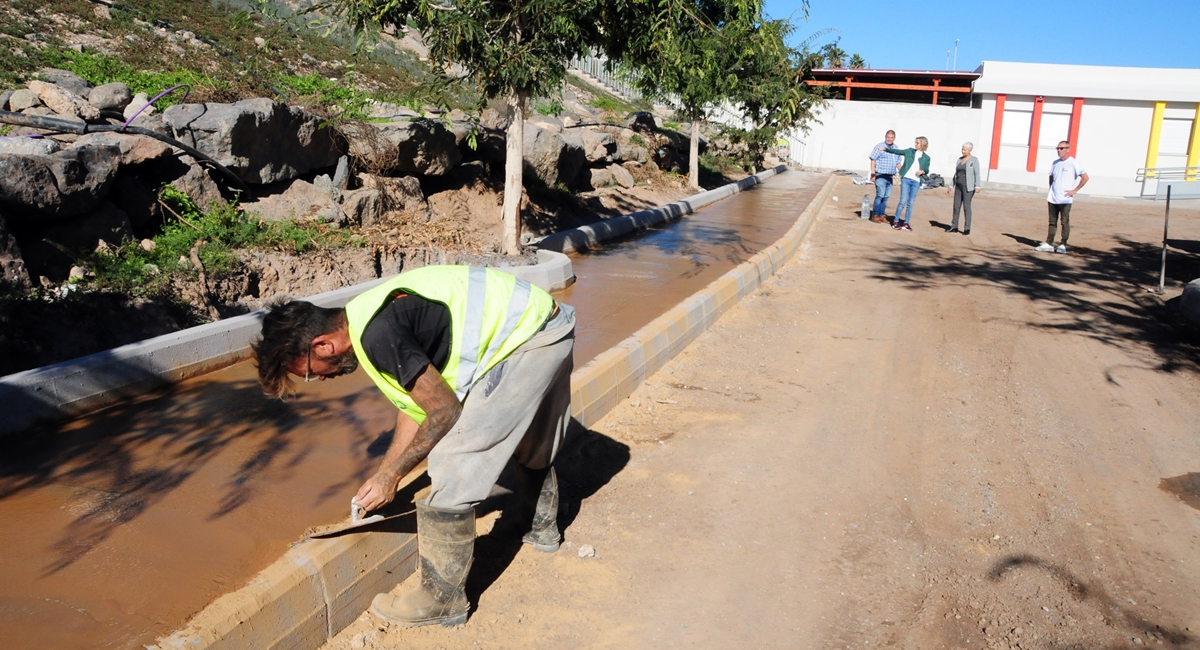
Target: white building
<point x="1118" y="120"/>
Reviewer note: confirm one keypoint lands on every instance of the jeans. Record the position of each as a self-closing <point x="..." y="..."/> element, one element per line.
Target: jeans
<point x="1057" y="209"/>
<point x="883" y="191"/>
<point x="908" y="196"/>
<point x="962" y="199"/>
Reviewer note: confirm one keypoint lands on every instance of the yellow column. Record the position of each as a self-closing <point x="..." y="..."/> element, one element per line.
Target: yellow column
<point x="1193" y="158"/>
<point x="1155" y="134"/>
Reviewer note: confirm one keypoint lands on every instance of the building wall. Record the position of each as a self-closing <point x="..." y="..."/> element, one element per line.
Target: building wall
<point x="1114" y="133"/>
<point x="1111" y="145"/>
<point x="844" y="132"/>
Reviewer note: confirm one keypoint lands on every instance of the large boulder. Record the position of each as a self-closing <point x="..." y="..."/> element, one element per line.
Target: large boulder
<point x="12" y="266"/>
<point x="110" y="97"/>
<point x="106" y="223"/>
<point x="63" y="101"/>
<point x="138" y="200"/>
<point x="261" y="140"/>
<point x="552" y="158"/>
<point x="22" y="99"/>
<point x="598" y="147"/>
<point x="63" y="184"/>
<point x="621" y="175"/>
<point x="642" y="121"/>
<point x="301" y="202"/>
<point x="67" y="80"/>
<point x="135" y="149"/>
<point x="630" y="153"/>
<point x="28" y="146"/>
<point x="421" y="146"/>
<point x="401" y="194"/>
<point x="600" y="177"/>
<point x="363" y="206"/>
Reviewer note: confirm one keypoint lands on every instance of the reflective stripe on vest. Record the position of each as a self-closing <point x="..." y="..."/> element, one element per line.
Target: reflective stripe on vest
<point x="523" y="313"/>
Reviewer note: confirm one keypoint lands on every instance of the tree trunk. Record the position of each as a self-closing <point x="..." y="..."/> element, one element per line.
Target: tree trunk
<point x="694" y="156"/>
<point x="514" y="160"/>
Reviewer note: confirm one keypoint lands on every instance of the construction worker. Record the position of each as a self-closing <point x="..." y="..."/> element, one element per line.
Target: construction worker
<point x="478" y="363"/>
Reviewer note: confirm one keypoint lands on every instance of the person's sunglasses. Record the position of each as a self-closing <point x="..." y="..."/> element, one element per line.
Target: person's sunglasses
<point x="1061" y="148"/>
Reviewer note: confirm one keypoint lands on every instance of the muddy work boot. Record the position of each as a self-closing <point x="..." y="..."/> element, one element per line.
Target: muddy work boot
<point x="538" y="490"/>
<point x="445" y="546"/>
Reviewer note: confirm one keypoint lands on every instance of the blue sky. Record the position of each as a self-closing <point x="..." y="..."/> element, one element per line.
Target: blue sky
<point x="916" y="35"/>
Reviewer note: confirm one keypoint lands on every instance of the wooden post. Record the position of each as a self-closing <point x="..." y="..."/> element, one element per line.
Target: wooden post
<point x="936" y="83"/>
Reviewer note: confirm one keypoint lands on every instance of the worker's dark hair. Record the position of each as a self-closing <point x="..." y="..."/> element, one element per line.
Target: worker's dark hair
<point x="287" y="333"/>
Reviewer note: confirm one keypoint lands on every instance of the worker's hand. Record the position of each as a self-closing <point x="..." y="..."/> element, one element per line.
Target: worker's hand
<point x="1070" y="192"/>
<point x="377" y="492"/>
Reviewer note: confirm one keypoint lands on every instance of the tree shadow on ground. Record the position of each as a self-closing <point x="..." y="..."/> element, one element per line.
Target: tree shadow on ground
<point x="1094" y="595"/>
<point x="121" y="461"/>
<point x="586" y="463"/>
<point x="1101" y="294"/>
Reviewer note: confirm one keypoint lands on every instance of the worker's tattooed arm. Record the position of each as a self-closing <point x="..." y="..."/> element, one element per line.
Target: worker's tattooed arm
<point x="412" y="443"/>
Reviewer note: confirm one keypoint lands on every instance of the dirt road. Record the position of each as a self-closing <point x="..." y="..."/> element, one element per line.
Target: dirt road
<point x="911" y="440"/>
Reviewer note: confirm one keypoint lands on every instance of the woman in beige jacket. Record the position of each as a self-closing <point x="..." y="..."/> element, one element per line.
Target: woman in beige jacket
<point x="966" y="184"/>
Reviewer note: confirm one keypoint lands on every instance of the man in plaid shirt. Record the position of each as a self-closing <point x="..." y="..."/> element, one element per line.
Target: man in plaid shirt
<point x="883" y="167"/>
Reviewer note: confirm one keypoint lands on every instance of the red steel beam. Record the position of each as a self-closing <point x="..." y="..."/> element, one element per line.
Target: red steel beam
<point x="997" y="124"/>
<point x="864" y="84"/>
<point x="1076" y="114"/>
<point x="1035" y="130"/>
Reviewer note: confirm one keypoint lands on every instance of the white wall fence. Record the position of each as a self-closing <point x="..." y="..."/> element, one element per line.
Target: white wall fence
<point x="843" y="133"/>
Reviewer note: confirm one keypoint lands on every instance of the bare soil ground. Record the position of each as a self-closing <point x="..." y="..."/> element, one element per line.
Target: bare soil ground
<point x="910" y="440"/>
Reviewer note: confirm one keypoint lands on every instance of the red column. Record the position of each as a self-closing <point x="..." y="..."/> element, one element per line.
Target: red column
<point x="936" y="83"/>
<point x="1076" y="113"/>
<point x="997" y="124"/>
<point x="1035" y="130"/>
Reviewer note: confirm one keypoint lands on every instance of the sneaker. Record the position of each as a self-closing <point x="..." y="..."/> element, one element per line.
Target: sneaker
<point x="951" y="231"/>
<point x="909" y="228"/>
<point x="1062" y="248"/>
<point x="966" y="232"/>
<point x="1044" y="248"/>
<point x="896" y="225"/>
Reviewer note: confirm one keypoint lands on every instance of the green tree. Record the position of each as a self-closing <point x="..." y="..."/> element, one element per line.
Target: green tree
<point x="770" y="88"/>
<point x="686" y="51"/>
<point x="833" y="54"/>
<point x="513" y="49"/>
<point x="857" y="62"/>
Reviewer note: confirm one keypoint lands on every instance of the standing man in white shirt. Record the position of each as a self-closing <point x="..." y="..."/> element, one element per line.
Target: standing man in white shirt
<point x="1067" y="177"/>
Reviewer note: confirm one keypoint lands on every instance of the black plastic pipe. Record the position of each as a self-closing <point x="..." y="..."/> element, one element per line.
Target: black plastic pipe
<point x="80" y="128"/>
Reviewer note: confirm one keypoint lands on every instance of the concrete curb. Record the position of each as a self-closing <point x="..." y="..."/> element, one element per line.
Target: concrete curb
<point x="585" y="237"/>
<point x="86" y="384"/>
<point x="319" y="587"/>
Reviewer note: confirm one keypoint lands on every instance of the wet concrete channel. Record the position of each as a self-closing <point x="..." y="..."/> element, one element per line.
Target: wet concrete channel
<point x="117" y="527"/>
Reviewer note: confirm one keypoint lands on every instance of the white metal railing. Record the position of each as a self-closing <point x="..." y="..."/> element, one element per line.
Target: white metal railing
<point x="1163" y="176"/>
<point x="595" y="66"/>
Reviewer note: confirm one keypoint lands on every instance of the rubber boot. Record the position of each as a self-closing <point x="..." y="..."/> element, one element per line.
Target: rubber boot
<point x="538" y="490"/>
<point x="445" y="546"/>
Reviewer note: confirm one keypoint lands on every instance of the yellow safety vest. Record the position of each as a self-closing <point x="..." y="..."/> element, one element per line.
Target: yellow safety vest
<point x="491" y="315"/>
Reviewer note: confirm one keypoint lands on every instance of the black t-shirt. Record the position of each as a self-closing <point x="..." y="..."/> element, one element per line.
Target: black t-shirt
<point x="407" y="334"/>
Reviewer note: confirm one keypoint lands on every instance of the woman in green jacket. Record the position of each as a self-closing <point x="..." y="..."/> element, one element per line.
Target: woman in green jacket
<point x="916" y="165"/>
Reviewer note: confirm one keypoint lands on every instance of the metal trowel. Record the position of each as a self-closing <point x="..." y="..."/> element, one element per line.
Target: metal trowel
<point x="357" y="520"/>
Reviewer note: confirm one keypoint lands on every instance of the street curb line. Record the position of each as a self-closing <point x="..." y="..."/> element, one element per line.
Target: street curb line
<point x="78" y="386"/>
<point x="589" y="236"/>
<point x="321" y="586"/>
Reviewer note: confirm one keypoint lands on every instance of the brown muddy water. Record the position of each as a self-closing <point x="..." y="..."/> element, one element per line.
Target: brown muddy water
<point x="119" y="526"/>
